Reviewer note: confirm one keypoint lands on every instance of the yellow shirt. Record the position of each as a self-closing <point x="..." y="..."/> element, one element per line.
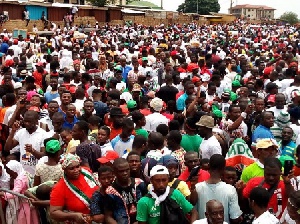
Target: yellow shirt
<point x="182" y="187"/>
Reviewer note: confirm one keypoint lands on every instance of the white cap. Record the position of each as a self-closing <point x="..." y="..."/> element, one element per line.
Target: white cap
<point x="17" y="85"/>
<point x="159" y="169"/>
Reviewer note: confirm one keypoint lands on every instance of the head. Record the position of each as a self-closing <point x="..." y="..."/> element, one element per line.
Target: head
<point x="189" y="87"/>
<point x="134" y="161"/>
<point x="159" y="177"/>
<point x="66" y="98"/>
<point x="128" y="127"/>
<point x="204" y="163"/>
<point x="138" y="118"/>
<point x="80" y="130"/>
<point x="234" y="112"/>
<point x="259" y="199"/>
<point x="139" y="144"/>
<point x="266" y="149"/>
<point x="30" y="120"/>
<point x="52" y="146"/>
<point x="272" y="171"/>
<point x="259" y="105"/>
<point x="267" y="119"/>
<point x="217" y="164"/>
<point x="88" y="107"/>
<point x="105" y="176"/>
<point x="155" y="141"/>
<point x="70" y="163"/>
<point x="191" y="160"/>
<point x="287" y="134"/>
<point x="279" y="101"/>
<point x="71" y="111"/>
<point x="103" y="135"/>
<point x="230" y="175"/>
<point x="214" y="212"/>
<point x="52" y="108"/>
<point x="293" y="206"/>
<point x="14" y="168"/>
<point x="211" y="89"/>
<point x="116" y="117"/>
<point x="172" y="165"/>
<point x="121" y="170"/>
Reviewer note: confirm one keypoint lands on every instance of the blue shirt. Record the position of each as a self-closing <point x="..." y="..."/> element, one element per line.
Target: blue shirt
<point x="126" y="69"/>
<point x="49" y="96"/>
<point x="68" y="125"/>
<point x="180" y="103"/>
<point x="288" y="150"/>
<point x="261" y="132"/>
<point x="4" y="47"/>
<point x="100" y="108"/>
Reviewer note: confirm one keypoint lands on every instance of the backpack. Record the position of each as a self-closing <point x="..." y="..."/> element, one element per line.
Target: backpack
<point x="170" y="211"/>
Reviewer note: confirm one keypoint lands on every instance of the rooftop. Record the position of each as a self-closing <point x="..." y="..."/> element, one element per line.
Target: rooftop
<point x="248" y="6"/>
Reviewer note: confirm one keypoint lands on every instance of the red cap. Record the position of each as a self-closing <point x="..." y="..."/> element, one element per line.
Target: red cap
<point x="192" y="66"/>
<point x="195" y="79"/>
<point x="6" y="39"/>
<point x="271" y="98"/>
<point x="110" y="155"/>
<point x="36" y="109"/>
<point x="268" y="70"/>
<point x="15" y="41"/>
<point x="293" y="64"/>
<point x="173" y="53"/>
<point x="9" y="62"/>
<point x="54" y="74"/>
<point x="72" y="89"/>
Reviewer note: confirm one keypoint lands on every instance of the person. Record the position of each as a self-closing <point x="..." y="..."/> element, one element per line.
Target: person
<point x="216" y="189"/>
<point x="279" y="105"/>
<point x="189" y="89"/>
<point x="72" y="192"/>
<point x="214" y="213"/>
<point x="230" y="175"/>
<point x="292" y="216"/>
<point x="122" y="143"/>
<point x="30" y="151"/>
<point x="263" y="130"/>
<point x="209" y="145"/>
<point x="88" y="151"/>
<point x="103" y="139"/>
<point x="123" y="195"/>
<point x="139" y="121"/>
<point x="149" y="209"/>
<point x="173" y="143"/>
<point x="134" y="161"/>
<point x="156" y="148"/>
<point x="259" y="199"/>
<point x="21" y="184"/>
<point x="287" y="147"/>
<point x="266" y="148"/>
<point x="190" y="140"/>
<point x="278" y="189"/>
<point x="156" y="118"/>
<point x="106" y="177"/>
<point x="116" y="117"/>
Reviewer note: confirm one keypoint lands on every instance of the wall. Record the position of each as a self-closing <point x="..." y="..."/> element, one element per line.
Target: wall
<point x="15" y="11"/>
<point x="35" y="11"/>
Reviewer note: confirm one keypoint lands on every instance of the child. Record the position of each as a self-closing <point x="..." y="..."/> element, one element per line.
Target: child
<point x="94" y="122"/>
<point x="106" y="177"/>
<point x="69" y="145"/>
<point x="230" y="175"/>
<point x="204" y="163"/>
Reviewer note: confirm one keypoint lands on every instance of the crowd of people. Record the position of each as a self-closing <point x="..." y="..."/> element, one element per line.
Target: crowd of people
<point x="176" y="123"/>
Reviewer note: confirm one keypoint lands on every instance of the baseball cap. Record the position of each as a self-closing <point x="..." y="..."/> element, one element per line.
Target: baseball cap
<point x="158" y="170"/>
<point x="265" y="143"/>
<point x="236" y="83"/>
<point x="131" y="104"/>
<point x="109" y="156"/>
<point x="173" y="53"/>
<point x="52" y="146"/>
<point x="168" y="160"/>
<point x="156" y="104"/>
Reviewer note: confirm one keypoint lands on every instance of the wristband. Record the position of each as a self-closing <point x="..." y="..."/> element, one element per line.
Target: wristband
<point x="244" y="115"/>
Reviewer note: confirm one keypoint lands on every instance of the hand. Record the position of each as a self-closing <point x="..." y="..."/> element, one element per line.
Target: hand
<point x="249" y="109"/>
<point x="194" y="181"/>
<point x="240" y="185"/>
<point x="28" y="148"/>
<point x="79" y="218"/>
<point x="287" y="179"/>
<point x="246" y="138"/>
<point x="16" y="126"/>
<point x="21" y="104"/>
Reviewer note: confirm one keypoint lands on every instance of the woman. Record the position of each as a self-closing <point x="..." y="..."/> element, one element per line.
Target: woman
<point x="21" y="184"/>
<point x="293" y="209"/>
<point x="4" y="177"/>
<point x="50" y="170"/>
<point x="72" y="192"/>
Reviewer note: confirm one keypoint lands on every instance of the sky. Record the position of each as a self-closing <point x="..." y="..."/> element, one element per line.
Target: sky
<point x="281" y="5"/>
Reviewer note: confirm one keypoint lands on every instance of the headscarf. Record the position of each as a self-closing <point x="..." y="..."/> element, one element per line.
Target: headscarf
<point x="5" y="178"/>
<point x="67" y="159"/>
<point x="15" y="166"/>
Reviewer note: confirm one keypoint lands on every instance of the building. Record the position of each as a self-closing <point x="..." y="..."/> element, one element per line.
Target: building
<point x="255" y="12"/>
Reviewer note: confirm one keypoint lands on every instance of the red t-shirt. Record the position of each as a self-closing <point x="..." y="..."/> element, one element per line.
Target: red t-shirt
<point x="145" y="111"/>
<point x="203" y="175"/>
<point x="279" y="192"/>
<point x="38" y="77"/>
<point x="61" y="195"/>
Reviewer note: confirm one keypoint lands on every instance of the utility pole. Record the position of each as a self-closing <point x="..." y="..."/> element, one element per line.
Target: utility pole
<point x="197" y="6"/>
<point x="161" y="4"/>
<point x="231" y="3"/>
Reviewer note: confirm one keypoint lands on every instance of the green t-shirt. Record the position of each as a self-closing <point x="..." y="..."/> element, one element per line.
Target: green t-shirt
<point x="142" y="132"/>
<point x="253" y="170"/>
<point x="191" y="142"/>
<point x="148" y="212"/>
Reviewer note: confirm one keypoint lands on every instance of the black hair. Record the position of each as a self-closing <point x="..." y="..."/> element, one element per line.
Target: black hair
<point x="217" y="162"/>
<point x="174" y="125"/>
<point x="260" y="196"/>
<point x="133" y="153"/>
<point x="163" y="129"/>
<point x="127" y="122"/>
<point x="114" y="94"/>
<point x="204" y="161"/>
<point x="138" y="142"/>
<point x="88" y="100"/>
<point x="230" y="169"/>
<point x="176" y="136"/>
<point x="84" y="126"/>
<point x="94" y="120"/>
<point x="137" y="116"/>
<point x="106" y="129"/>
<point x="43" y="192"/>
<point x="118" y="162"/>
<point x="233" y="106"/>
<point x="103" y="169"/>
<point x="273" y="163"/>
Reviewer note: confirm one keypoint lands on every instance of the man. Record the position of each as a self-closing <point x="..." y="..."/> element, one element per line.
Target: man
<point x="134" y="161"/>
<point x="190" y="140"/>
<point x="278" y="189"/>
<point x="209" y="145"/>
<point x="156" y="147"/>
<point x="122" y="143"/>
<point x="279" y="105"/>
<point x="65" y="99"/>
<point x="281" y="121"/>
<point x="70" y="118"/>
<point x="117" y="117"/>
<point x="191" y="161"/>
<point x="169" y="91"/>
<point x="265" y="148"/>
<point x="30" y="138"/>
<point x="287" y="147"/>
<point x="49" y="96"/>
<point x="149" y="207"/>
<point x="214" y="188"/>
<point x="125" y="191"/>
<point x="88" y="109"/>
<point x="156" y="118"/>
<point x="46" y="122"/>
<point x="125" y="68"/>
<point x="189" y="89"/>
<point x="100" y="107"/>
<point x="214" y="213"/>
<point x="263" y="130"/>
<point x="259" y="200"/>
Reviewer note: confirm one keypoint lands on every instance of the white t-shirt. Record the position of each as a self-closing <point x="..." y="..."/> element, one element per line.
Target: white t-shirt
<point x="277" y="111"/>
<point x="210" y="147"/>
<point x="266" y="217"/>
<point x="37" y="140"/>
<point x="153" y="120"/>
<point x="204" y="221"/>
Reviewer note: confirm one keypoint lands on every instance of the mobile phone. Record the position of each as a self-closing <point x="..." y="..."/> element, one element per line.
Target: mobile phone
<point x="288" y="166"/>
<point x="194" y="172"/>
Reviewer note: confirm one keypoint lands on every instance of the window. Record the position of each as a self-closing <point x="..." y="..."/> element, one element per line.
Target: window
<point x="248" y="10"/>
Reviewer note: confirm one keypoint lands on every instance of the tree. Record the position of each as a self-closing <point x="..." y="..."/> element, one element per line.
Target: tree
<point x="290" y="17"/>
<point x="204" y="6"/>
<point x="99" y="3"/>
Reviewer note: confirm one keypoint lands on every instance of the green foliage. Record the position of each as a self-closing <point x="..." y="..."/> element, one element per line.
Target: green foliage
<point x="290" y="17"/>
<point x="99" y="3"/>
<point x="204" y="6"/>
